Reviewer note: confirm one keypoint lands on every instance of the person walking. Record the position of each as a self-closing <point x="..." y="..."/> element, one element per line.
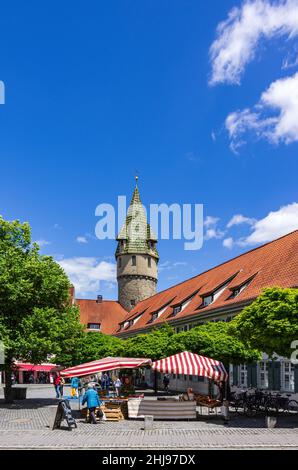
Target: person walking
<point x="74" y="384"/>
<point x="166" y="382"/>
<point x="62" y="382"/>
<point x="93" y="401"/>
<point x="57" y="385"/>
<point x="117" y="385"/>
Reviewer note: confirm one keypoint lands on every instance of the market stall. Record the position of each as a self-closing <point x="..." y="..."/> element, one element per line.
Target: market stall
<point x="187" y="363"/>
<point x="105" y="364"/>
<point x="114" y="408"/>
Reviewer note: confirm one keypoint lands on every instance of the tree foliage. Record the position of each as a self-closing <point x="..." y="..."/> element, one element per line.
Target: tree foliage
<point x="213" y="340"/>
<point x="153" y="345"/>
<point x="270" y="323"/>
<point x="36" y="318"/>
<point x="94" y="346"/>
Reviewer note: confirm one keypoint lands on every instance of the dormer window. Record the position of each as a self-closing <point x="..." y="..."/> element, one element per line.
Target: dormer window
<point x="93" y="326"/>
<point x="207" y="300"/>
<point x="132" y="302"/>
<point x="176" y="310"/>
<point x="213" y="296"/>
<point x="237" y="290"/>
<point x="154" y="317"/>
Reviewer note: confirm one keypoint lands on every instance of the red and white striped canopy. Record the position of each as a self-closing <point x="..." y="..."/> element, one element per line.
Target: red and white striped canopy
<point x="108" y="363"/>
<point x="188" y="363"/>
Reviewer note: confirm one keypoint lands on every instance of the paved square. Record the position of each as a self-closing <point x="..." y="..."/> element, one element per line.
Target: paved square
<point x="26" y="425"/>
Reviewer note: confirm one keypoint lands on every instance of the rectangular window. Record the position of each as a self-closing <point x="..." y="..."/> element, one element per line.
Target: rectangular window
<point x="176" y="310"/>
<point x="93" y="326"/>
<point x="133" y="260"/>
<point x="243" y="375"/>
<point x="132" y="302"/>
<point x="288" y="376"/>
<point x="119" y="262"/>
<point x="263" y="375"/>
<point x="207" y="300"/>
<point x="149" y="262"/>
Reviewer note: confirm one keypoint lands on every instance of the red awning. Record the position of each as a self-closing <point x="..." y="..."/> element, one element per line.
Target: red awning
<point x="188" y="363"/>
<point x="24" y="366"/>
<point x="108" y="363"/>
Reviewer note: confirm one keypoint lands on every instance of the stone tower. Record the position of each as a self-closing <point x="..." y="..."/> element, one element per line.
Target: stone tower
<point x="136" y="256"/>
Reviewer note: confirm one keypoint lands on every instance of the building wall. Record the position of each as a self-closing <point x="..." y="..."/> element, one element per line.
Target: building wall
<point x="135" y="288"/>
<point x="141" y="268"/>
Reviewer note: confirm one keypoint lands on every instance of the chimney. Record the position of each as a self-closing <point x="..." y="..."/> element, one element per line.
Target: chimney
<point x="99" y="299"/>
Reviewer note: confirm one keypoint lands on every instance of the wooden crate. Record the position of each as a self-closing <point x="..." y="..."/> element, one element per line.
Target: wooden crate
<point x="113" y="412"/>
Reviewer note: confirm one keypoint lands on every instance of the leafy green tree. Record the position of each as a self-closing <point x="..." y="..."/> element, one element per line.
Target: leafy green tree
<point x="270" y="323"/>
<point x="153" y="345"/>
<point x="97" y="346"/>
<point x="36" y="317"/>
<point x="213" y="340"/>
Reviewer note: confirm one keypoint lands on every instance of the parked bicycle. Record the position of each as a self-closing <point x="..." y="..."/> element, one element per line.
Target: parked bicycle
<point x="251" y="403"/>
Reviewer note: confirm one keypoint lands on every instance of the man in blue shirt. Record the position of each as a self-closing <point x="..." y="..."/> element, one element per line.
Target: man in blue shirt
<point x="92" y="400"/>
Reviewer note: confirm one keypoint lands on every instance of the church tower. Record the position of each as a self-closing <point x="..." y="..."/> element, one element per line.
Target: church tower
<point x="136" y="256"/>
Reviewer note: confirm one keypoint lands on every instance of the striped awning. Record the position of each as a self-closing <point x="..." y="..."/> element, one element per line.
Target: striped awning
<point x="106" y="364"/>
<point x="25" y="366"/>
<point x="188" y="363"/>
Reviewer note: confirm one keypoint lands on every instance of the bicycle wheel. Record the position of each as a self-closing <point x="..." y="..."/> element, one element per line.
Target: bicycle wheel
<point x="250" y="411"/>
<point x="239" y="409"/>
<point x="293" y="407"/>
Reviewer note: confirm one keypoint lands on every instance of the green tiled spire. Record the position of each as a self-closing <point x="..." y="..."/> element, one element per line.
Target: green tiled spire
<point x="136" y="235"/>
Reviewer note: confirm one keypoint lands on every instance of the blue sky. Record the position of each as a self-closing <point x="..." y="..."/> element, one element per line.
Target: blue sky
<point x="102" y="89"/>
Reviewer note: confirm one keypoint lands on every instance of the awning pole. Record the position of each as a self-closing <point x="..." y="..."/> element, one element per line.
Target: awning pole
<point x="155" y="382"/>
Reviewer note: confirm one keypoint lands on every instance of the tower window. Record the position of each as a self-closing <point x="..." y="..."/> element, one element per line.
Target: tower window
<point x="119" y="262"/>
<point x="133" y="260"/>
<point x="149" y="262"/>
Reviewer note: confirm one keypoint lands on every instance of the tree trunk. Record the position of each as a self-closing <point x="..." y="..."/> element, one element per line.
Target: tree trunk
<point x="8" y="385"/>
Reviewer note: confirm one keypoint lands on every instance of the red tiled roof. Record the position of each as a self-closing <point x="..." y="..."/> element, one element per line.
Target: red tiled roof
<point x="108" y="313"/>
<point x="272" y="264"/>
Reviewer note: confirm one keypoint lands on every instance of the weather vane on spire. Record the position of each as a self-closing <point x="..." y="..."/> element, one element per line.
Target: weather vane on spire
<point x="137" y="176"/>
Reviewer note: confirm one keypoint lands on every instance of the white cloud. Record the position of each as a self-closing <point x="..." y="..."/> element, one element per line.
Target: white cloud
<point x="211" y="228"/>
<point x="210" y="221"/>
<point x="274" y="118"/>
<point x="81" y="239"/>
<point x="240" y="219"/>
<point x="42" y="242"/>
<point x="86" y="273"/>
<point x="239" y="35"/>
<point x="274" y="225"/>
<point x="213" y="233"/>
<point x="169" y="265"/>
<point x="228" y="242"/>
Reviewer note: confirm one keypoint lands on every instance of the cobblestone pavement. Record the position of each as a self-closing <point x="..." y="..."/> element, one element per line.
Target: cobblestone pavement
<point x="26" y="424"/>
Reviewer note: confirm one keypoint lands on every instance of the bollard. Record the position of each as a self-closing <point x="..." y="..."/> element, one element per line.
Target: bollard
<point x="225" y="411"/>
<point x="148" y="422"/>
<point x="270" y="421"/>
